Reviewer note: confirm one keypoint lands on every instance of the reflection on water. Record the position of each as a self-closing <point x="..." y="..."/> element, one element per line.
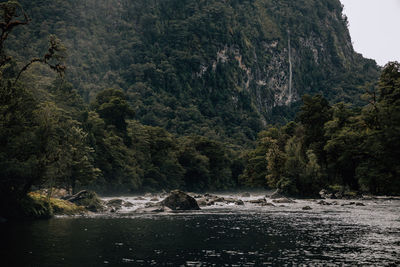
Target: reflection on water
<point x="215" y="236"/>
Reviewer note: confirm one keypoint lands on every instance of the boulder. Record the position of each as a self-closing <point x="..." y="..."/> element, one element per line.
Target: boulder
<point x="202" y="202"/>
<point x="87" y="199"/>
<point x="283" y="200"/>
<point x="154" y="199"/>
<point x="348" y="204"/>
<point x="178" y="200"/>
<point x="353" y="203"/>
<point x="236" y="201"/>
<point x="239" y="202"/>
<point x="247" y="194"/>
<point x="116" y="203"/>
<point x="258" y="201"/>
<point x="127" y="204"/>
<point x="306" y="208"/>
<point x="220" y="199"/>
<point x="139" y="198"/>
<point x="210" y="202"/>
<point x="152" y="205"/>
<point x="324" y="203"/>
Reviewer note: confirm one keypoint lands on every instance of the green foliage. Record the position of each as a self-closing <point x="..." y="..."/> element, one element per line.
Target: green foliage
<point x="314" y="113"/>
<point x="36" y="207"/>
<point x="339" y="146"/>
<point x="113" y="108"/>
<point x="379" y="171"/>
<point x="41" y="206"/>
<point x="193" y="73"/>
<point x="208" y="164"/>
<point x="178" y="61"/>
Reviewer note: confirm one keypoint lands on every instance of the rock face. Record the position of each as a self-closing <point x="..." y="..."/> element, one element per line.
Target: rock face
<point x="178" y="200"/>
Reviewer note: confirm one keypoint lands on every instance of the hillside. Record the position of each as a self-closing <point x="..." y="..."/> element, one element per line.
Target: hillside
<point x="215" y="68"/>
<point x="208" y="68"/>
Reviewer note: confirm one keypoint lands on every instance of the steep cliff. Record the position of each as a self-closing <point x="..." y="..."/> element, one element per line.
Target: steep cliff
<point x="220" y="68"/>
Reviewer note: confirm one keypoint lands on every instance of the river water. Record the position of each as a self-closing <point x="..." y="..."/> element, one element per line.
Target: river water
<point x="218" y="235"/>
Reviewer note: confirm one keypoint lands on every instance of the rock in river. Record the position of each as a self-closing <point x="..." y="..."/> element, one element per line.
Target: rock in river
<point x="283" y="200"/>
<point x="178" y="200"/>
<point x="88" y="199"/>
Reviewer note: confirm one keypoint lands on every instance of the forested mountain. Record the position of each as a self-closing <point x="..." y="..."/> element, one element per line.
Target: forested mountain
<point x="135" y="96"/>
<point x="210" y="67"/>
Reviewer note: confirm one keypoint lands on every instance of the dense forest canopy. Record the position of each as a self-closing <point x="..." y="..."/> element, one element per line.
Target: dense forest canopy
<point x="214" y="68"/>
<point x="135" y="96"/>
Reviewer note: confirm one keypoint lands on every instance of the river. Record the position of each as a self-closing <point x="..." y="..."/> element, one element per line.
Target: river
<point x="218" y="235"/>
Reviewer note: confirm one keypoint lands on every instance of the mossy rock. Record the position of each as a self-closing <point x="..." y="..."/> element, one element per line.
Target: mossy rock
<point x="36" y="206"/>
<point x="87" y="199"/>
<point x="63" y="207"/>
<point x="55" y="206"/>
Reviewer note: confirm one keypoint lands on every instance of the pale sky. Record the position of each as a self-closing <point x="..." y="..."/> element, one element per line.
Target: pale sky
<point x="375" y="28"/>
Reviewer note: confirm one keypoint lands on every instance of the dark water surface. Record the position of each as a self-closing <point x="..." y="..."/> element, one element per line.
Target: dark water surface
<point x="223" y="236"/>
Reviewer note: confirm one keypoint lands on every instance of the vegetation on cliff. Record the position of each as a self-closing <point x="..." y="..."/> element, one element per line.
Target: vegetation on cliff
<point x="214" y="68"/>
<point x="357" y="148"/>
<point x="173" y="120"/>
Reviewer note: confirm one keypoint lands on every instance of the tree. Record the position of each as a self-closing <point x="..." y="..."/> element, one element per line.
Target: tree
<point x="345" y="135"/>
<point x="314" y="113"/>
<point x="113" y="108"/>
<point x="276" y="159"/>
<point x="255" y="172"/>
<point x="380" y="172"/>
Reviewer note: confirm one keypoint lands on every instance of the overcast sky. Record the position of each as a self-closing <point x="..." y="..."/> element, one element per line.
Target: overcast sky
<point x="375" y="28"/>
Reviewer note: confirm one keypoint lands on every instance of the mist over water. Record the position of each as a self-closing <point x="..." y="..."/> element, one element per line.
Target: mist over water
<point x="217" y="235"/>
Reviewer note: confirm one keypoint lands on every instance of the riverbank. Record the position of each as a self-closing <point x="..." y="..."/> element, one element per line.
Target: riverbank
<point x="253" y="234"/>
<point x="87" y="203"/>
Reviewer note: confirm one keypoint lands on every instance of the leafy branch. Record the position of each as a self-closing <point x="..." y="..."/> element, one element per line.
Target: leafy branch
<point x="11" y="15"/>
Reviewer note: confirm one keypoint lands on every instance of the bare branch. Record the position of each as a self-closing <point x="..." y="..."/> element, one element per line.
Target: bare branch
<point x="56" y="51"/>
